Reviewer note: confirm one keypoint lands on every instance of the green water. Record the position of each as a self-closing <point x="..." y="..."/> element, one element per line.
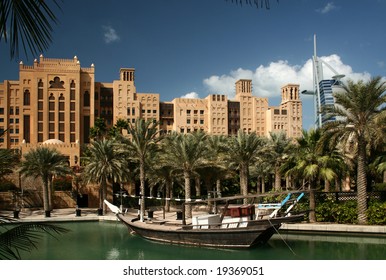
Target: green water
<point x="111" y="240"/>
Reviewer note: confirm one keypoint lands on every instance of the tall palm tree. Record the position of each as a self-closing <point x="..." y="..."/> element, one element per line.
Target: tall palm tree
<point x="278" y="147"/>
<point x="186" y="153"/>
<point x="241" y="152"/>
<point x="144" y="135"/>
<point x="314" y="164"/>
<point x="105" y="163"/>
<point x="45" y="163"/>
<point x="356" y="112"/>
<point x="29" y="22"/>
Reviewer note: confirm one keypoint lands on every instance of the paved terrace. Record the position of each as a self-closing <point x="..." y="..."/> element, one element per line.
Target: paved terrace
<point x="90" y="214"/>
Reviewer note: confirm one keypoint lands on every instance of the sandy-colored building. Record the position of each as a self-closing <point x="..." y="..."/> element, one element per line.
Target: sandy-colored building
<point x="56" y="102"/>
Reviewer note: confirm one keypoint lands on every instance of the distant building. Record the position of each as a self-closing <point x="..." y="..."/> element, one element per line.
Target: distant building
<point x="56" y="101"/>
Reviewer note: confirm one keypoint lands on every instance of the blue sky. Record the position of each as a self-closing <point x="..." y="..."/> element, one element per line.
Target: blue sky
<point x="197" y="47"/>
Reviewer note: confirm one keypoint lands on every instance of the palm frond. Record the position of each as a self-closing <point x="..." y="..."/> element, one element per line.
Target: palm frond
<point x="24" y="238"/>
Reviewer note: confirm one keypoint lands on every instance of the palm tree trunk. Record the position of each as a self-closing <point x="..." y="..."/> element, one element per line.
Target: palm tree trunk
<point x="218" y="186"/>
<point x="262" y="184"/>
<point x="142" y="188"/>
<point x="198" y="186"/>
<point x="244" y="181"/>
<point x="168" y="189"/>
<point x="46" y="205"/>
<point x="327" y="186"/>
<point x="188" y="206"/>
<point x="277" y="179"/>
<point x="50" y="190"/>
<point x="312" y="215"/>
<point x="362" y="182"/>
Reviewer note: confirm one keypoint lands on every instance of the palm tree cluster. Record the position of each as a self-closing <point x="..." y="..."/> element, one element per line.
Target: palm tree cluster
<point x="352" y="145"/>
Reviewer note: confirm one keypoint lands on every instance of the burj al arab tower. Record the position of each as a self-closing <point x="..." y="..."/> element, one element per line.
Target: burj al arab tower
<point x="323" y="88"/>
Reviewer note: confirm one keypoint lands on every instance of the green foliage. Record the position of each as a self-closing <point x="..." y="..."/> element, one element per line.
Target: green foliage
<point x="376" y="213"/>
<point x="337" y="212"/>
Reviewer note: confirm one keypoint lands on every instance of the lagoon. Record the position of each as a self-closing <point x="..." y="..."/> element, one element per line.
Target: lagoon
<point x="110" y="240"/>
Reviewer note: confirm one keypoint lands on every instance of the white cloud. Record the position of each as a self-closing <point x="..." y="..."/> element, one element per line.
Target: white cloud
<point x="109" y="34"/>
<point x="191" y="95"/>
<point x="328" y="8"/>
<point x="268" y="79"/>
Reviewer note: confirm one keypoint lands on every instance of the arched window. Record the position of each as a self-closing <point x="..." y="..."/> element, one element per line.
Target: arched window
<point x="26" y="98"/>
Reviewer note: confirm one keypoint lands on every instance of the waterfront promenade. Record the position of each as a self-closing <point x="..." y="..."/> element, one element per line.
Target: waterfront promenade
<point x="90" y="214"/>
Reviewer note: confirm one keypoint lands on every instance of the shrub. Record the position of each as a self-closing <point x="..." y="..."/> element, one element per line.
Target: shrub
<point x="376" y="213"/>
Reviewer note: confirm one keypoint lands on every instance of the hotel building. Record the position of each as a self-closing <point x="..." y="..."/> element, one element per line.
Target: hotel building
<point x="56" y="101"/>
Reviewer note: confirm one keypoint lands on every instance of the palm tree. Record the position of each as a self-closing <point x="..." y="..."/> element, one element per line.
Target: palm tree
<point x="257" y="3"/>
<point x="278" y="147"/>
<point x="356" y="112"/>
<point x="28" y="22"/>
<point x="241" y="152"/>
<point x="45" y="163"/>
<point x="8" y="160"/>
<point x="313" y="164"/>
<point x="186" y="153"/>
<point x="144" y="136"/>
<point x="105" y="163"/>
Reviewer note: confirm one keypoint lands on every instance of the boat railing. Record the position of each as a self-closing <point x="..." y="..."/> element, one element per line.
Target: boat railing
<point x="239" y="224"/>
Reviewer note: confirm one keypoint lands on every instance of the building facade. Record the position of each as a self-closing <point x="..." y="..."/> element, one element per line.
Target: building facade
<point x="56" y="102"/>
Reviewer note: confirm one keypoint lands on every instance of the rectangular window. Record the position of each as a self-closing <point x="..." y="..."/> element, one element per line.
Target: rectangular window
<point x="40" y="116"/>
<point x="51" y="106"/>
<point x="40" y="93"/>
<point x="61" y="137"/>
<point x="72" y="117"/>
<point x="51" y="116"/>
<point x="40" y="105"/>
<point x="61" y="117"/>
<point x="72" y="106"/>
<point x="51" y="136"/>
<point x="72" y="137"/>
<point x="17" y="111"/>
<point x="1" y="111"/>
<point x="51" y="127"/>
<point x="188" y="112"/>
<point x="40" y="137"/>
<point x="201" y="112"/>
<point x="72" y="94"/>
<point x="72" y="127"/>
<point x="40" y="127"/>
<point x="26" y="128"/>
<point x="61" y="106"/>
<point x="61" y="127"/>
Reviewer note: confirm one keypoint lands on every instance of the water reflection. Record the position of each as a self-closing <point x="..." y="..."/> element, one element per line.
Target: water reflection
<point x="111" y="240"/>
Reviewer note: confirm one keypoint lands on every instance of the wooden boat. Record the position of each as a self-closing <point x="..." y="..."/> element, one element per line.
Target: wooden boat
<point x="238" y="226"/>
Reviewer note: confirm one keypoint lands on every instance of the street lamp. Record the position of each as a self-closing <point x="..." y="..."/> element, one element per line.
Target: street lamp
<point x="121" y="194"/>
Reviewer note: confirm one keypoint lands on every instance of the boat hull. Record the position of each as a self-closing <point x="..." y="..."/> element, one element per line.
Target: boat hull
<point x="256" y="232"/>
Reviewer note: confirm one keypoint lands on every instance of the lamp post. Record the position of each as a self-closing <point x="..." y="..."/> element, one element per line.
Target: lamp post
<point x="121" y="194"/>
